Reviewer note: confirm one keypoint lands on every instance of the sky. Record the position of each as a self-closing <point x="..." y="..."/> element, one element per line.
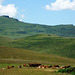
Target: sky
<point x="46" y="12"/>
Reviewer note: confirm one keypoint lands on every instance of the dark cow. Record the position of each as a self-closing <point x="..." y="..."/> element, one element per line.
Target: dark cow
<point x="50" y="66"/>
<point x="19" y="66"/>
<point x="67" y="66"/>
<point x="8" y="67"/>
<point x="56" y="65"/>
<point x="34" y="64"/>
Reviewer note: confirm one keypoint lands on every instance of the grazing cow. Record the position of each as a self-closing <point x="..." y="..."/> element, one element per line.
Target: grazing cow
<point x="56" y="65"/>
<point x="34" y="64"/>
<point x="19" y="66"/>
<point x="53" y="67"/>
<point x="48" y="66"/>
<point x="39" y="66"/>
<point x="43" y="66"/>
<point x="64" y="67"/>
<point x="8" y="67"/>
<point x="67" y="66"/>
<point x="24" y="65"/>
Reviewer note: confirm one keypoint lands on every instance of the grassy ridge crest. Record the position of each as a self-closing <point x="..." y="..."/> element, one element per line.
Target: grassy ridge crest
<point x="13" y="28"/>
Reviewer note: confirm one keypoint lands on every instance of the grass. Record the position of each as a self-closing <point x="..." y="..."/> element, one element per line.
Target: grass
<point x="41" y="48"/>
<point x="44" y="43"/>
<point x="20" y="56"/>
<point x="29" y="71"/>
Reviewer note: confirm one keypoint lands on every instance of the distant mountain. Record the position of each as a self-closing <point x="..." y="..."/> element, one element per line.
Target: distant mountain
<point x="13" y="28"/>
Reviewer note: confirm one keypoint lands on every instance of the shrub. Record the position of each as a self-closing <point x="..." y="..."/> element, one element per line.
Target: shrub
<point x="68" y="70"/>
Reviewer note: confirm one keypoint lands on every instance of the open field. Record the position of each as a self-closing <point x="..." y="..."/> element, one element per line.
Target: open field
<point x="34" y="49"/>
<point x="15" y="55"/>
<point x="29" y="71"/>
<point x="50" y="44"/>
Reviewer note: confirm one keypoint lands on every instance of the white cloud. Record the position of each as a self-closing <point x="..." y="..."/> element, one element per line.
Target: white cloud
<point x="61" y="5"/>
<point x="9" y="9"/>
<point x="22" y="16"/>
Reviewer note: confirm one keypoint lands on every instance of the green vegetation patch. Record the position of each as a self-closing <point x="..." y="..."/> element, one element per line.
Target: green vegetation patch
<point x="50" y="44"/>
<point x="68" y="70"/>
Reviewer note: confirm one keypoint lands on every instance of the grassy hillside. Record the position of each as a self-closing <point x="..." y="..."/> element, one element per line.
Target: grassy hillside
<point x="49" y="44"/>
<point x="14" y="55"/>
<point x="4" y="41"/>
<point x="13" y="28"/>
<point x="43" y="43"/>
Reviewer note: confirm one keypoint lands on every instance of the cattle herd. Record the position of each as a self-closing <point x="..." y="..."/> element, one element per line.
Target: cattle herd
<point x="36" y="65"/>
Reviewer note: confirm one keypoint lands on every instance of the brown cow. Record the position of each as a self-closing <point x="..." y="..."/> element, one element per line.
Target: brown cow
<point x="24" y="65"/>
<point x="55" y="66"/>
<point x="50" y="66"/>
<point x="8" y="67"/>
<point x="64" y="67"/>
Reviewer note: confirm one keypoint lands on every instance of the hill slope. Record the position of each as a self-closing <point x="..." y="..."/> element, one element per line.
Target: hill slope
<point x="14" y="55"/>
<point x="13" y="28"/>
<point x="49" y="44"/>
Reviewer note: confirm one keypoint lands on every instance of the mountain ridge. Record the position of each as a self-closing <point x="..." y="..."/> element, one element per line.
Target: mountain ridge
<point x="13" y="28"/>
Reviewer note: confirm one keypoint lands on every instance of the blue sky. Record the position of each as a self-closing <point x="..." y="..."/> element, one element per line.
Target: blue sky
<point x="48" y="12"/>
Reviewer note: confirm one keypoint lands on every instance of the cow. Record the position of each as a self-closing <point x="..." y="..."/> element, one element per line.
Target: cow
<point x="24" y="65"/>
<point x="44" y="66"/>
<point x="19" y="66"/>
<point x="34" y="64"/>
<point x="8" y="67"/>
<point x="49" y="66"/>
<point x="39" y="66"/>
<point x="66" y="66"/>
<point x="55" y="66"/>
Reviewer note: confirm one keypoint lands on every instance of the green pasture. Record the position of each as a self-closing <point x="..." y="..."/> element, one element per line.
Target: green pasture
<point x="29" y="71"/>
<point x="50" y="44"/>
<point x="15" y="55"/>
